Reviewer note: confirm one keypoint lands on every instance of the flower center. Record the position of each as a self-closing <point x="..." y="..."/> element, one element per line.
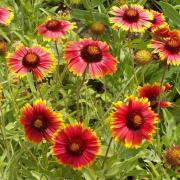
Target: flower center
<point x="91" y="53"/>
<point x="74" y="147"/>
<point x="31" y="60"/>
<point x="131" y="15"/>
<point x="134" y="121"/>
<point x="175" y="154"/>
<point x="38" y="123"/>
<point x="173" y="45"/>
<point x="53" y="25"/>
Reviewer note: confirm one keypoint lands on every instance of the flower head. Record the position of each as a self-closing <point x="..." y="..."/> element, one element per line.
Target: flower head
<point x="143" y="57"/>
<point x="158" y="20"/>
<point x="76" y="146"/>
<point x="152" y="92"/>
<point x="6" y="16"/>
<point x="173" y="156"/>
<point x="54" y="29"/>
<point x="133" y="18"/>
<point x="132" y="122"/>
<point x="168" y="47"/>
<point x="36" y="59"/>
<point x="3" y="47"/>
<point x="91" y="55"/>
<point x="98" y="28"/>
<point x="40" y="121"/>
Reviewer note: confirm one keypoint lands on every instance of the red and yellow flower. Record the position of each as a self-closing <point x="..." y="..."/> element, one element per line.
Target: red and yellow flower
<point x="133" y="18"/>
<point x="158" y="20"/>
<point x="54" y="29"/>
<point x="152" y="92"/>
<point x="168" y="47"/>
<point x="36" y="59"/>
<point x="91" y="55"/>
<point x="40" y="121"/>
<point x="133" y="122"/>
<point x="76" y="146"/>
<point x="6" y="16"/>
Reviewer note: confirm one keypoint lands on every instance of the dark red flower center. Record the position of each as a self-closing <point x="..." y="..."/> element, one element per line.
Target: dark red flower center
<point x="91" y="53"/>
<point x="53" y="25"/>
<point x="31" y="60"/>
<point x="131" y="15"/>
<point x="76" y="147"/>
<point x="173" y="44"/>
<point x="134" y="121"/>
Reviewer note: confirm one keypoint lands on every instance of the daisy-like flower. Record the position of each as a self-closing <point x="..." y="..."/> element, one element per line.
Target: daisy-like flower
<point x="40" y="121"/>
<point x="133" y="18"/>
<point x="75" y="146"/>
<point x="168" y="47"/>
<point x="54" y="29"/>
<point x="152" y="92"/>
<point x="36" y="59"/>
<point x="133" y="122"/>
<point x="158" y="20"/>
<point x="6" y="16"/>
<point x="173" y="156"/>
<point x="90" y="55"/>
<point x="161" y="32"/>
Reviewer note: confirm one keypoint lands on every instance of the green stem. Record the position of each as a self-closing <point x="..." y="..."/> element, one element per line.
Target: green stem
<point x="78" y="94"/>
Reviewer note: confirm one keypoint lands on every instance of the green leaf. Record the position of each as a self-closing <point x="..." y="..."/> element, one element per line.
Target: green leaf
<point x="170" y="12"/>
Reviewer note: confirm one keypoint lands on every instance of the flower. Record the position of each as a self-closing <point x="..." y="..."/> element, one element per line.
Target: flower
<point x="76" y="146"/>
<point x="91" y="55"/>
<point x="143" y="57"/>
<point x="168" y="47"/>
<point x="132" y="122"/>
<point x="6" y="16"/>
<point x="36" y="59"/>
<point x="161" y="32"/>
<point x="54" y="29"/>
<point x="173" y="156"/>
<point x="158" y="20"/>
<point x="152" y="92"/>
<point x="133" y="18"/>
<point x="3" y="47"/>
<point x="40" y="121"/>
<point x="98" y="28"/>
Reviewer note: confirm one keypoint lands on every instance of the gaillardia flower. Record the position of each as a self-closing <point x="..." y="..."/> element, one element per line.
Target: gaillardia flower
<point x="158" y="20"/>
<point x="168" y="47"/>
<point x="90" y="55"/>
<point x="40" y="121"/>
<point x="6" y="16"/>
<point x="54" y="29"/>
<point x="143" y="57"/>
<point x="152" y="92"/>
<point x="36" y="59"/>
<point x="75" y="146"/>
<point x="133" y="122"/>
<point x="173" y="156"/>
<point x="133" y="18"/>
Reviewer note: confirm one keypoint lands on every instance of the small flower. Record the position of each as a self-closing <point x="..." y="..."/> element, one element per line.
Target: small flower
<point x="143" y="57"/>
<point x="173" y="156"/>
<point x="6" y="16"/>
<point x="98" y="28"/>
<point x="76" y="146"/>
<point x="54" y="29"/>
<point x="3" y="47"/>
<point x="152" y="92"/>
<point x="39" y="121"/>
<point x="161" y="32"/>
<point x="91" y="55"/>
<point x="133" y="122"/>
<point x="158" y="20"/>
<point x="168" y="47"/>
<point x="133" y="18"/>
<point x="36" y="59"/>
